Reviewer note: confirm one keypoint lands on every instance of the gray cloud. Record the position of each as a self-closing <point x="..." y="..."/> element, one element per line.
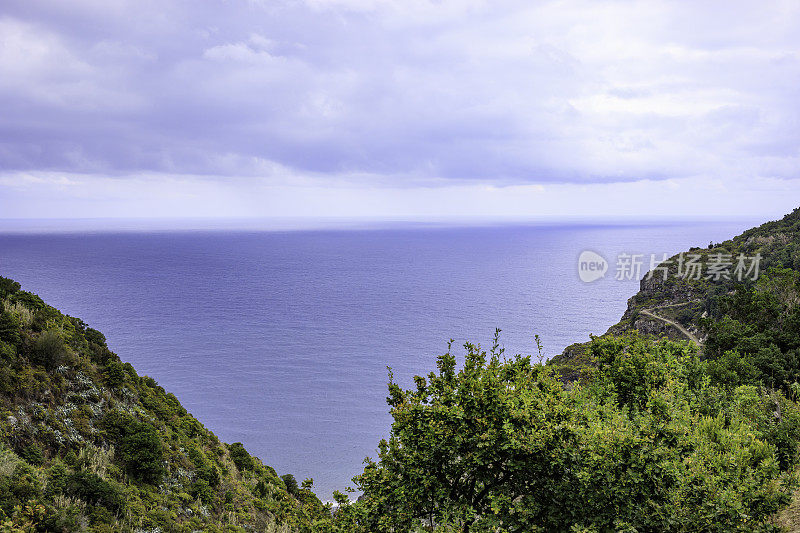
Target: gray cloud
<point x="400" y="93"/>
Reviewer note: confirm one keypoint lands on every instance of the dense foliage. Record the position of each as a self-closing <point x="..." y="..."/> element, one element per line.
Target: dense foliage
<point x="757" y="338"/>
<point x="86" y="444"/>
<point x="650" y="444"/>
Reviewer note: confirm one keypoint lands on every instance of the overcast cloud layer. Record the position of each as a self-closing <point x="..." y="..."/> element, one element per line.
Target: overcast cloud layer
<point x="222" y="107"/>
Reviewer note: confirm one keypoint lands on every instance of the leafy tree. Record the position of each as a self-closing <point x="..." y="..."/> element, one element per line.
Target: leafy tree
<point x="114" y="374"/>
<point x="466" y="445"/>
<point x="291" y="483"/>
<point x="649" y="445"/>
<point x="632" y="370"/>
<point x="94" y="336"/>
<point x="139" y="446"/>
<point x="143" y="453"/>
<point x="93" y="489"/>
<point x="240" y="457"/>
<point x="32" y="454"/>
<point x="8" y="287"/>
<point x="9" y="327"/>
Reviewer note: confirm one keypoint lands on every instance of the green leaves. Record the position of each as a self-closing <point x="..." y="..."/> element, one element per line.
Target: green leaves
<point x="649" y="445"/>
<point x="463" y="441"/>
<point x="138" y="445"/>
<point x="240" y="457"/>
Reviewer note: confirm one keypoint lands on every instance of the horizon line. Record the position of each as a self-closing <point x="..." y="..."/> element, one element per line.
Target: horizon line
<point x="51" y="225"/>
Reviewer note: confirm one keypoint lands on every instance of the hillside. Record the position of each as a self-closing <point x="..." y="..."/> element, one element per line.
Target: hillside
<point x="756" y="318"/>
<point x="86" y="444"/>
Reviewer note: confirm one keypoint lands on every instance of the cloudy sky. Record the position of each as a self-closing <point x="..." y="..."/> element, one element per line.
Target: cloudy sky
<point x="398" y="109"/>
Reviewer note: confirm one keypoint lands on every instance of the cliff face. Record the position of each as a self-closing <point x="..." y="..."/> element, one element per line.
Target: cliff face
<point x="661" y="309"/>
<point x="686" y="306"/>
<point x="88" y="444"/>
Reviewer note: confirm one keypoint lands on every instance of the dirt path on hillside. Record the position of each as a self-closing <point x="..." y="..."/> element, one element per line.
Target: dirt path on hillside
<point x="686" y="332"/>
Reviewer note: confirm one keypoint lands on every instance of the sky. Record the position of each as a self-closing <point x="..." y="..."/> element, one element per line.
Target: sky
<point x="409" y="109"/>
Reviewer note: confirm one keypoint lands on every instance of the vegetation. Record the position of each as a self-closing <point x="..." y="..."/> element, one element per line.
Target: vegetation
<point x="86" y="444"/>
<point x="650" y="444"/>
<point x="639" y="429"/>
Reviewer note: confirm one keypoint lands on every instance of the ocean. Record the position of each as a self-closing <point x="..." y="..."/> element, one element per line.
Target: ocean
<point x="281" y="339"/>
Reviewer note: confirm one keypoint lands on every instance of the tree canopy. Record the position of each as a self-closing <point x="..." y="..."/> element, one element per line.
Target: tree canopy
<point x="649" y="444"/>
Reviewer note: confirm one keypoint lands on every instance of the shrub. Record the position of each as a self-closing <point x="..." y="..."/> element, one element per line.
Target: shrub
<point x="23" y="484"/>
<point x="291" y="483"/>
<point x="80" y="421"/>
<point x="33" y="302"/>
<point x="94" y="336"/>
<point x="7" y="352"/>
<point x="8" y="287"/>
<point x="633" y="370"/>
<point x="49" y="350"/>
<point x="57" y="477"/>
<point x="114" y="374"/>
<point x="143" y="453"/>
<point x="9" y="328"/>
<point x="139" y="446"/>
<point x="500" y="446"/>
<point x="32" y="454"/>
<point x="93" y="489"/>
<point x="201" y="489"/>
<point x="465" y="445"/>
<point x="206" y="471"/>
<point x="9" y="380"/>
<point x="240" y="457"/>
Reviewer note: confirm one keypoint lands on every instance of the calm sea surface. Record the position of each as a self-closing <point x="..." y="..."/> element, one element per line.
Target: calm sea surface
<point x="281" y="340"/>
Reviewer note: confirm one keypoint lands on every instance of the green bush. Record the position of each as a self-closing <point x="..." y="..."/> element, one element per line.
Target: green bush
<point x="201" y="489"/>
<point x="93" y="489"/>
<point x="114" y="374"/>
<point x="31" y="453"/>
<point x="632" y="370"/>
<point x="95" y="337"/>
<point x="649" y="445"/>
<point x="9" y="328"/>
<point x="18" y="482"/>
<point x="8" y="287"/>
<point x="143" y="453"/>
<point x="139" y="446"/>
<point x="49" y="350"/>
<point x="240" y="457"/>
<point x="34" y="303"/>
<point x="57" y="477"/>
<point x="291" y="483"/>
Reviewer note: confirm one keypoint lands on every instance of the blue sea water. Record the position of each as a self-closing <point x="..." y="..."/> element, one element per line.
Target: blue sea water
<point x="281" y="339"/>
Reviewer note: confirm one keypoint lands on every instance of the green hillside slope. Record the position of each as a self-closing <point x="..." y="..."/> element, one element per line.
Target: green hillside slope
<point x="86" y="444"/>
<point x="757" y="319"/>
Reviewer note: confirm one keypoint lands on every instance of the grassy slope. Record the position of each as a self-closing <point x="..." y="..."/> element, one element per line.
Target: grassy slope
<point x="87" y="444"/>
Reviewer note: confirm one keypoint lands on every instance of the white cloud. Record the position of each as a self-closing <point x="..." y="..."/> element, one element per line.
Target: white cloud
<point x="29" y="55"/>
<point x="404" y="94"/>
